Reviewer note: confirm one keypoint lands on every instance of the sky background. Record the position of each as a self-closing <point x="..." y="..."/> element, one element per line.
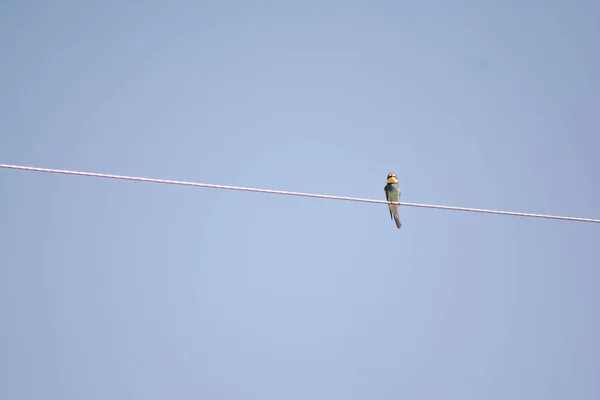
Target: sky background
<point x="126" y="290"/>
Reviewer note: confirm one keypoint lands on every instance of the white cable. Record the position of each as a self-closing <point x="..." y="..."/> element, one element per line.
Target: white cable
<point x="282" y="192"/>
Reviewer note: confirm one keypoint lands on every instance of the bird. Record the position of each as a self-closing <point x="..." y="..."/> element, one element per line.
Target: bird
<point x="392" y="193"/>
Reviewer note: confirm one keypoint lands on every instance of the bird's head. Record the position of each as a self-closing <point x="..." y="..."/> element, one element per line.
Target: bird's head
<point x="391" y="178"/>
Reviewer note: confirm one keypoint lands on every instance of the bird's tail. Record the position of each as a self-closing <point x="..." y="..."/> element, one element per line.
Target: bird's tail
<point x="397" y="219"/>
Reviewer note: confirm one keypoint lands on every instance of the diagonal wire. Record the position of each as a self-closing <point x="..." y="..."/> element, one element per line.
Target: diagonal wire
<point x="287" y="193"/>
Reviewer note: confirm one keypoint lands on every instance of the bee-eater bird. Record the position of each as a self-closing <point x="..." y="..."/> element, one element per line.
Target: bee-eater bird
<point x="392" y="193"/>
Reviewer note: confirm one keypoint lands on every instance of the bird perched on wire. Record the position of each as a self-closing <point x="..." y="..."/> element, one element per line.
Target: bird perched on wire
<point x="392" y="193"/>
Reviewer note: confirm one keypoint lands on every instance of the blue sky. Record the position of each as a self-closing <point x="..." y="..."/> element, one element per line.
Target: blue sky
<point x="122" y="290"/>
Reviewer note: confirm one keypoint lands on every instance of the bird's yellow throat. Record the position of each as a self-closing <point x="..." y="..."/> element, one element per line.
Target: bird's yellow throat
<point x="392" y="180"/>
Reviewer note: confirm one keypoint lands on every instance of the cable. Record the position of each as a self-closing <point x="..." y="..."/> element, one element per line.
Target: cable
<point x="283" y="192"/>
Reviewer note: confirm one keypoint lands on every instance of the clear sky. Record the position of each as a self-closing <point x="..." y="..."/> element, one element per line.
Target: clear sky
<point x="126" y="290"/>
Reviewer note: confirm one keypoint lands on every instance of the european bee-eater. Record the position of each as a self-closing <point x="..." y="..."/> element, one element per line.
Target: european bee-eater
<point x="392" y="193"/>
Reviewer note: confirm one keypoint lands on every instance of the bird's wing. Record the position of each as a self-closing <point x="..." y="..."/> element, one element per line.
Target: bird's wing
<point x="388" y="199"/>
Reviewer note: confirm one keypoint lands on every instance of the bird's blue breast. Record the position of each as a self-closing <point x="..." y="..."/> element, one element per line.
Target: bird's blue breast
<point x="392" y="187"/>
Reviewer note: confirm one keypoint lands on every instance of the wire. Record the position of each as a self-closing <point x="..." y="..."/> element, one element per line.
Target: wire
<point x="283" y="192"/>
